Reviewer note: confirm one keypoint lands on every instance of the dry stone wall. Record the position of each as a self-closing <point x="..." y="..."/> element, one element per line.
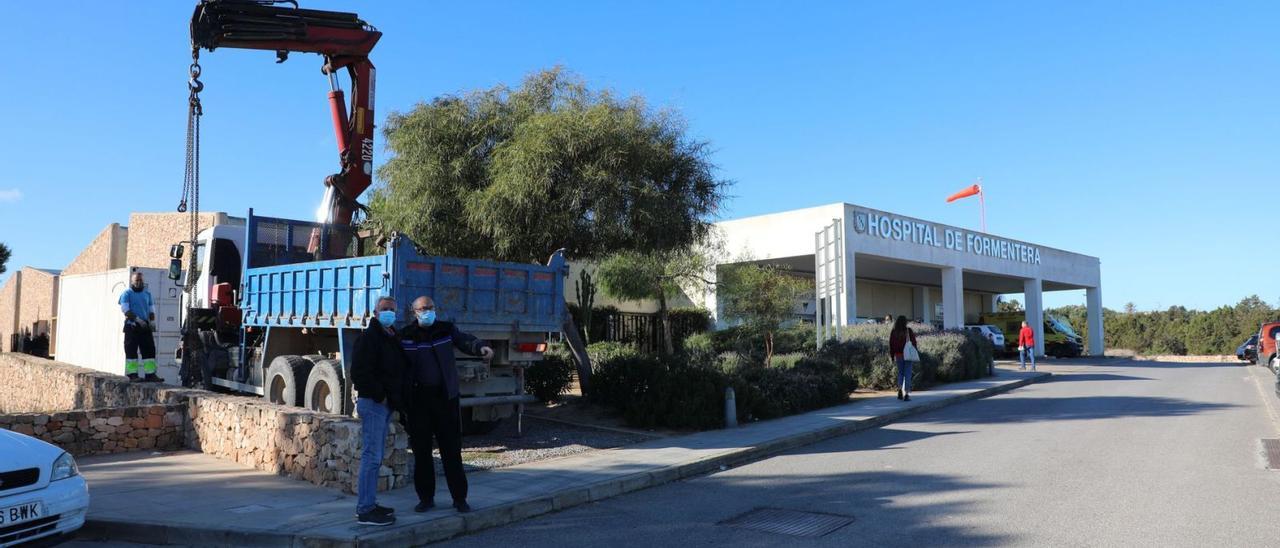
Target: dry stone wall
<point x="320" y="448"/>
<point x="104" y="431"/>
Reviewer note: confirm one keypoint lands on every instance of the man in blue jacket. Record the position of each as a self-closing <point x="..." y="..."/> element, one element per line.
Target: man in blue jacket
<point x="432" y="401"/>
<point x="139" y="322"/>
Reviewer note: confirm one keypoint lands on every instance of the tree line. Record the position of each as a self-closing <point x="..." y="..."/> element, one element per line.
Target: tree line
<point x="1177" y="330"/>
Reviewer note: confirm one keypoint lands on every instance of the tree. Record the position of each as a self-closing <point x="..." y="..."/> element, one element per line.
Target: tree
<point x="1011" y="305"/>
<point x="762" y="297"/>
<point x="514" y="174"/>
<point x="661" y="275"/>
<point x="585" y="289"/>
<point x="4" y="257"/>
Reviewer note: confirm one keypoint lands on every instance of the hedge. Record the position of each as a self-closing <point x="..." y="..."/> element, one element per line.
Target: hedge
<point x="945" y="356"/>
<point x="549" y="379"/>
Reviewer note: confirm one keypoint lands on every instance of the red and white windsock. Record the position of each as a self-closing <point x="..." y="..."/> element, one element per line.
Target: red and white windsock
<point x="973" y="190"/>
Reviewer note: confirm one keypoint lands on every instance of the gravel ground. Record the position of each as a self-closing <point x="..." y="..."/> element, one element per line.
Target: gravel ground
<point x="541" y="440"/>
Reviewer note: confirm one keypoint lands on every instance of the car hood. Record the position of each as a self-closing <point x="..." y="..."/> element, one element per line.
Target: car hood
<point x="18" y="451"/>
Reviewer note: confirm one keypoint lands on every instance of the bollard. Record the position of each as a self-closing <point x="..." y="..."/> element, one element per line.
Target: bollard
<point x="730" y="408"/>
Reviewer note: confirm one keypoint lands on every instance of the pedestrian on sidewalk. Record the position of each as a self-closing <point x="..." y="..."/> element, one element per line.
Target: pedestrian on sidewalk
<point x="139" y="323"/>
<point x="377" y="370"/>
<point x="433" y="409"/>
<point x="1026" y="347"/>
<point x="899" y="338"/>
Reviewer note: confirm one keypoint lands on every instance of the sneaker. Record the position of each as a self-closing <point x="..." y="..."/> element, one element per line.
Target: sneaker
<point x="906" y="397"/>
<point x="424" y="506"/>
<point x="151" y="377"/>
<point x="899" y="393"/>
<point x="133" y="377"/>
<point x="372" y="517"/>
<point x="380" y="509"/>
<point x="462" y="507"/>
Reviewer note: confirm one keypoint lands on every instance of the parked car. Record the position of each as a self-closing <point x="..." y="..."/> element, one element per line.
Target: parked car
<point x="42" y="493"/>
<point x="991" y="333"/>
<point x="1266" y="348"/>
<point x="1248" y="350"/>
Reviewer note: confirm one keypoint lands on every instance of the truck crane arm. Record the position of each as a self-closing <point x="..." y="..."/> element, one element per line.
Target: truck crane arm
<point x="344" y="40"/>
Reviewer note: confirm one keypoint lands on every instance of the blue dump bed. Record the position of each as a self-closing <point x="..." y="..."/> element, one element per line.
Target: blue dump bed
<point x="341" y="292"/>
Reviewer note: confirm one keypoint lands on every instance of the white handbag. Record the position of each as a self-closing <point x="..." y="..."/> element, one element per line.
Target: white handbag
<point x="909" y="352"/>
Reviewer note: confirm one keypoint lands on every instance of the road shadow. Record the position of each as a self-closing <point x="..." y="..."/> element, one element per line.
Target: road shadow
<point x="889" y="508"/>
<point x="1026" y="409"/>
<point x="1177" y="365"/>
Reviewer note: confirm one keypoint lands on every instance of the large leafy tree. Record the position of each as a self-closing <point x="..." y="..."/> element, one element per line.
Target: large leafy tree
<point x="4" y="257"/>
<point x="660" y="276"/>
<point x="514" y="174"/>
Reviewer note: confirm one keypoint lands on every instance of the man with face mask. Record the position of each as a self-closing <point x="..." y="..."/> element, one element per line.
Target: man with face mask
<point x="377" y="372"/>
<point x="139" y="322"/>
<point x="433" y="410"/>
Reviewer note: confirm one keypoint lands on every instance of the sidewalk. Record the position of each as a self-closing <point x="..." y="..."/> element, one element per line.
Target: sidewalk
<point x="193" y="499"/>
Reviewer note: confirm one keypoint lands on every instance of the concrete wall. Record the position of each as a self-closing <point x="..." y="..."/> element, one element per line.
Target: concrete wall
<point x="106" y="252"/>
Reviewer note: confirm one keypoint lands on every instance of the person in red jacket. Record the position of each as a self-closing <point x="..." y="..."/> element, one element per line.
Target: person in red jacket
<point x="1026" y="347"/>
<point x="897" y="341"/>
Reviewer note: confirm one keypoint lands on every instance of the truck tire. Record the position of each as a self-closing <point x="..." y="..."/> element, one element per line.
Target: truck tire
<point x="326" y="389"/>
<point x="472" y="427"/>
<point x="285" y="380"/>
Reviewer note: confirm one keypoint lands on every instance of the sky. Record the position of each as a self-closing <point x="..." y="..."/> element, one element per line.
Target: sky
<point x="1141" y="132"/>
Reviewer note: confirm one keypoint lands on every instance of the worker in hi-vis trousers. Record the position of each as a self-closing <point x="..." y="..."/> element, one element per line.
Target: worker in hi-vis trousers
<point x="139" y="321"/>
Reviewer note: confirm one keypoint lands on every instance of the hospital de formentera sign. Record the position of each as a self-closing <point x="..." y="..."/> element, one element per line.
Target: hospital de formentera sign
<point x="890" y="227"/>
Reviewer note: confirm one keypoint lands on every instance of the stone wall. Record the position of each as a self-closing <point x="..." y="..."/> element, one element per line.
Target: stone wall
<point x="151" y="234"/>
<point x="105" y="252"/>
<point x="9" y="310"/>
<point x="104" y="431"/>
<point x="321" y="448"/>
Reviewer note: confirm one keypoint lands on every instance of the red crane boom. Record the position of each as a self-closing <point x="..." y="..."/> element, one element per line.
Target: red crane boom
<point x="344" y="40"/>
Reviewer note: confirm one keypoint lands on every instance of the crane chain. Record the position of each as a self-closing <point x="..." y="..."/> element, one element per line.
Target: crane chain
<point x="190" y="202"/>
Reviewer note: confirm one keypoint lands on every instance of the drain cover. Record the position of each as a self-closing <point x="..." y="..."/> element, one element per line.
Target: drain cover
<point x="789" y="522"/>
<point x="1271" y="450"/>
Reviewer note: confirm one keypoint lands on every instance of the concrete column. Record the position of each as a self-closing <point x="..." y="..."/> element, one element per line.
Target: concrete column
<point x="920" y="306"/>
<point x="992" y="302"/>
<point x="952" y="298"/>
<point x="1033" y="295"/>
<point x="1093" y="300"/>
<point x="849" y="302"/>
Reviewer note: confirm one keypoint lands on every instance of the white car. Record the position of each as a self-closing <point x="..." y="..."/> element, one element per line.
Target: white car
<point x="42" y="493"/>
<point x="991" y="332"/>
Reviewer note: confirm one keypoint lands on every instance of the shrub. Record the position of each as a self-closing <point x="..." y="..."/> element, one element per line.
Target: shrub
<point x="770" y="392"/>
<point x="945" y="356"/>
<point x="801" y="338"/>
<point x="696" y="320"/>
<point x="550" y="378"/>
<point x="605" y="351"/>
<point x="786" y="361"/>
<point x="699" y="349"/>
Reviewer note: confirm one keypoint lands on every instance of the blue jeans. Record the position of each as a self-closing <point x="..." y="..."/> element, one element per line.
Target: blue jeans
<point x="375" y="418"/>
<point x="1029" y="352"/>
<point x="904" y="375"/>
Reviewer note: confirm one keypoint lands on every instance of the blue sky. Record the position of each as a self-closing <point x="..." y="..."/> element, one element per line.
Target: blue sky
<point x="1144" y="133"/>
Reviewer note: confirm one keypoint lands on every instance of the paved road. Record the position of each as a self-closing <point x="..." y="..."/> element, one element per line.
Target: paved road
<point x="1123" y="454"/>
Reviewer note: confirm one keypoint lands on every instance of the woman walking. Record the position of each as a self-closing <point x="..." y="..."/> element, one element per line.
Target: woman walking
<point x="898" y="340"/>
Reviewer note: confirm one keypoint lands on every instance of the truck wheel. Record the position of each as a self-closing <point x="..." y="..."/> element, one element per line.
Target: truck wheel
<point x="325" y="391"/>
<point x="474" y="427"/>
<point x="285" y="380"/>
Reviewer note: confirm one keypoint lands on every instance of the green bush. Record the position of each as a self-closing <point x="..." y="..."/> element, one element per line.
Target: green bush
<point x="770" y="392"/>
<point x="945" y="356"/>
<point x="605" y="351"/>
<point x="550" y="378"/>
<point x="786" y="361"/>
<point x="697" y="320"/>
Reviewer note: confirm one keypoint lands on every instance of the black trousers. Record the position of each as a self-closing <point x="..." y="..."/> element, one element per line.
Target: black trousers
<point x="139" y="349"/>
<point x="434" y="415"/>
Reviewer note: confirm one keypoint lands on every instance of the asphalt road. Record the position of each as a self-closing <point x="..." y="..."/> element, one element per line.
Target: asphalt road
<point x="1123" y="454"/>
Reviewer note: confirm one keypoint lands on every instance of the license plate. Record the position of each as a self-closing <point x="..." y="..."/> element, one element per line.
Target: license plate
<point x="20" y="513"/>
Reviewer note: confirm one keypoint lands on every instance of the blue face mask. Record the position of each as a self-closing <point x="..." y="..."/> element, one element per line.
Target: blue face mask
<point x="387" y="318"/>
<point x="426" y="318"/>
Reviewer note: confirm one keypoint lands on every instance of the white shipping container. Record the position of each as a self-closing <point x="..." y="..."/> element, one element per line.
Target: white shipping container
<point x="91" y="325"/>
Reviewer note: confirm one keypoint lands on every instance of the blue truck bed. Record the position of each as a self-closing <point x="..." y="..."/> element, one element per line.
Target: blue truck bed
<point x="477" y="295"/>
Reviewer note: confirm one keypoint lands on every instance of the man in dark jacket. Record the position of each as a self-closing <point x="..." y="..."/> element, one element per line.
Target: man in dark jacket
<point x="377" y="371"/>
<point x="433" y="401"/>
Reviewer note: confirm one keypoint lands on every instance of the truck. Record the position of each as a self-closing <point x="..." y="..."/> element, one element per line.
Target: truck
<point x="274" y="308"/>
<point x="1060" y="339"/>
<point x="277" y="315"/>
